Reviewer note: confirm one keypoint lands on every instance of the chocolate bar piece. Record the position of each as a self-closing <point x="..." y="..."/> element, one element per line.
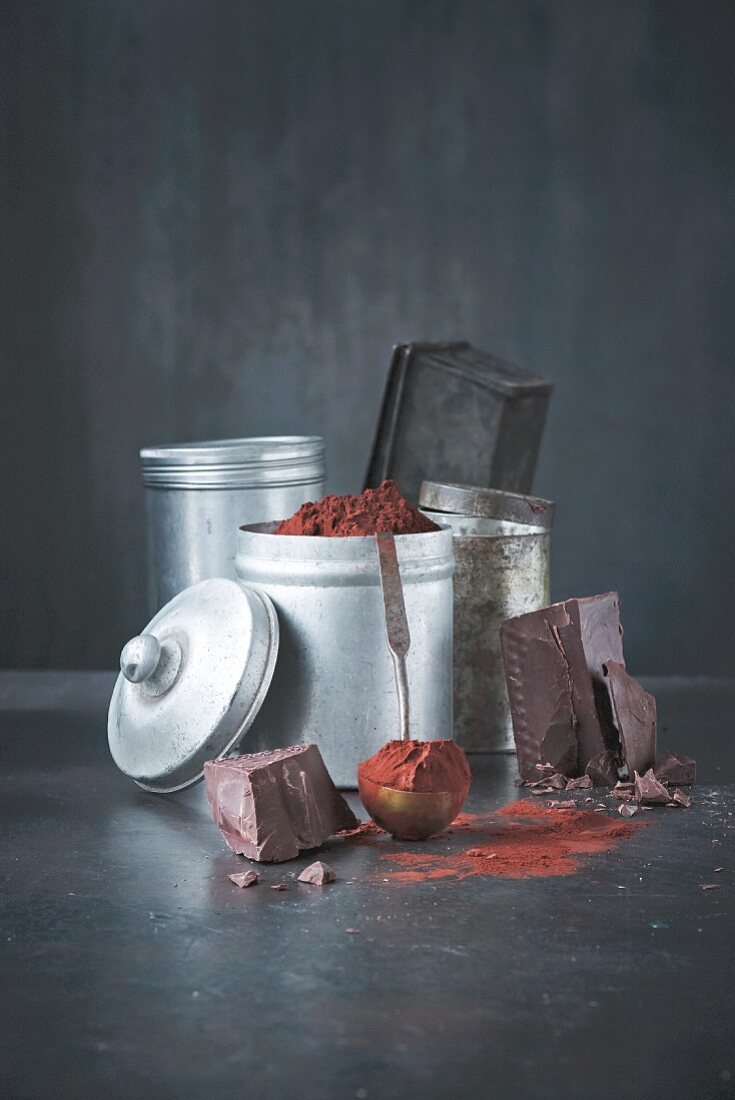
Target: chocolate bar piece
<point x="603" y="769"/>
<point x="635" y="717"/>
<point x="649" y="790"/>
<point x="676" y="769"/>
<point x="272" y="805"/>
<point x="554" y="662"/>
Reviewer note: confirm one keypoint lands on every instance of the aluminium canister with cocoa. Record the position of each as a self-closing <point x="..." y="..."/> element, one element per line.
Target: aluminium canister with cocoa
<point x="198" y="494"/>
<point x="334" y="683"/>
<point x="501" y="546"/>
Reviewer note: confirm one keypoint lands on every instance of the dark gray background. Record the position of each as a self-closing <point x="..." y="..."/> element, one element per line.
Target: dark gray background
<point x="218" y="217"/>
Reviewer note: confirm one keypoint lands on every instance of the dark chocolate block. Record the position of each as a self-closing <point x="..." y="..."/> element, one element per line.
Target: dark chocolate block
<point x="272" y="805"/>
<point x="554" y="671"/>
<point x="634" y="711"/>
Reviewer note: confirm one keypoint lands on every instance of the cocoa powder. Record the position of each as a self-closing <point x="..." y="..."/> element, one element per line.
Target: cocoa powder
<point x="381" y="509"/>
<point x="419" y="766"/>
<point x="532" y="842"/>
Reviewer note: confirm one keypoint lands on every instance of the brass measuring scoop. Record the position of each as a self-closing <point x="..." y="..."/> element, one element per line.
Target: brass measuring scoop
<point x="407" y="815"/>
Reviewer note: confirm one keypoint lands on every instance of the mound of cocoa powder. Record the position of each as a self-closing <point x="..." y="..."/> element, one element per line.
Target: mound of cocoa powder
<point x="381" y="509"/>
<point x="419" y="766"/>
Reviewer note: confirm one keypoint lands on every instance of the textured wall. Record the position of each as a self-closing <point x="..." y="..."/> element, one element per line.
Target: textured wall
<point x="217" y="217"/>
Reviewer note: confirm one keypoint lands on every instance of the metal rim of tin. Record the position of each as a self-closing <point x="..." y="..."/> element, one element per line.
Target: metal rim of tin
<point x="329" y="560"/>
<point x="467" y="500"/>
<point x="227" y="636"/>
<point x="234" y="463"/>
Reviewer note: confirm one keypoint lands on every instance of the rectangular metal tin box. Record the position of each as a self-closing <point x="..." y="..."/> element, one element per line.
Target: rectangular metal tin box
<point x="453" y="413"/>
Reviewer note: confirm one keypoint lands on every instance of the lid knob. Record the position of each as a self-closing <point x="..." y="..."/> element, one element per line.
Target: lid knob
<point x="145" y="660"/>
<point x="139" y="659"/>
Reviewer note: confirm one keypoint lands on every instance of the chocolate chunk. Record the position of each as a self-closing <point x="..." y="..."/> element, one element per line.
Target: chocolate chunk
<point x="635" y="718"/>
<point x="626" y="810"/>
<point x="557" y="781"/>
<point x="582" y="784"/>
<point x="318" y="873"/>
<point x="553" y="662"/>
<point x="603" y="769"/>
<point x="272" y="805"/>
<point x="681" y="799"/>
<point x="676" y="769"/>
<point x="648" y="789"/>
<point x="623" y="790"/>
<point x="245" y="878"/>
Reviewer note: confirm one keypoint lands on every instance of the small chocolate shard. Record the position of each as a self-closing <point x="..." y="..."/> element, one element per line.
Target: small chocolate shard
<point x="623" y="790"/>
<point x="541" y="790"/>
<point x="681" y="799"/>
<point x="270" y="806"/>
<point x="245" y="878"/>
<point x="557" y="781"/>
<point x="318" y="873"/>
<point x="603" y="769"/>
<point x="709" y="886"/>
<point x="634" y="712"/>
<point x="582" y="784"/>
<point x="280" y="886"/>
<point x="626" y="810"/>
<point x="676" y="769"/>
<point x="649" y="790"/>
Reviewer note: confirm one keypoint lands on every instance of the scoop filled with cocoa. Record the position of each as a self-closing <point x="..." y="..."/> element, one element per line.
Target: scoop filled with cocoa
<point x="412" y="789"/>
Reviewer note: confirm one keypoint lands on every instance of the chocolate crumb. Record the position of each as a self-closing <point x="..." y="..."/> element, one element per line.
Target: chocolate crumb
<point x="245" y="878"/>
<point x="352" y="931"/>
<point x="280" y="886"/>
<point x="676" y="769"/>
<point x="318" y="873"/>
<point x="709" y="886"/>
<point x="581" y="784"/>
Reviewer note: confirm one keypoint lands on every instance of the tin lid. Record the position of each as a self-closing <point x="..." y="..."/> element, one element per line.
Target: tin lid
<point x="192" y="683"/>
<point x="234" y="463"/>
<point x="465" y="500"/>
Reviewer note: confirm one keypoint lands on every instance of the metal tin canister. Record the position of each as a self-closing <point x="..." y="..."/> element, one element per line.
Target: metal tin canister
<point x="198" y="494"/>
<point x="334" y="683"/>
<point x="502" y="546"/>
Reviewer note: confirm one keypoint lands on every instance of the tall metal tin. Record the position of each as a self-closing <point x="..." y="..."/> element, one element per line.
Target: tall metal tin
<point x="334" y="683"/>
<point x="501" y="546"/>
<point x="198" y="494"/>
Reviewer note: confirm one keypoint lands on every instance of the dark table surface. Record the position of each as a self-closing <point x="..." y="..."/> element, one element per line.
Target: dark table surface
<point x="131" y="967"/>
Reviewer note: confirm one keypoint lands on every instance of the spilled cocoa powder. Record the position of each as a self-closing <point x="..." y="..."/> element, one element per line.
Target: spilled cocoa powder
<point x="536" y="842"/>
<point x="374" y="510"/>
<point x="419" y="766"/>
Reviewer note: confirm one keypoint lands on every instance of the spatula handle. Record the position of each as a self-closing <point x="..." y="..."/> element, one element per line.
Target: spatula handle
<point x="396" y="622"/>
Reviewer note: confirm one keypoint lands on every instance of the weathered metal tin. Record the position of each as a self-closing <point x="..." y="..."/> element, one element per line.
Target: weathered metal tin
<point x="198" y="494"/>
<point x="192" y="683"/>
<point x="467" y="500"/>
<point x="453" y="413"/>
<point x="334" y="682"/>
<point x="502" y="570"/>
